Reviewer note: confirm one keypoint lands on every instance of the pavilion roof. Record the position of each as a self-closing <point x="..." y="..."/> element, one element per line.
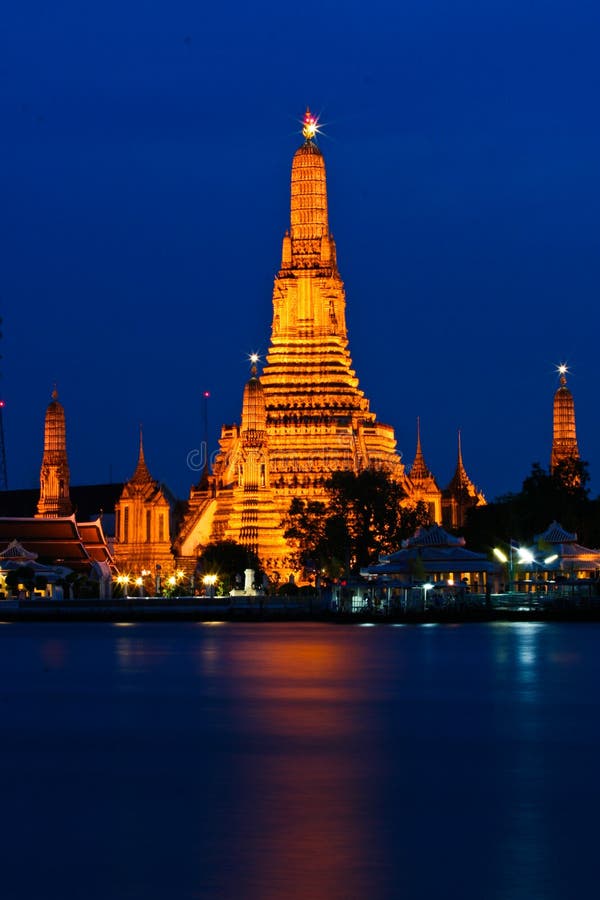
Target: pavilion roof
<point x="57" y="540"/>
<point x="556" y="534"/>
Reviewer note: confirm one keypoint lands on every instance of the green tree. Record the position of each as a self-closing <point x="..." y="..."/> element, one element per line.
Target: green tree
<point x="226" y="559"/>
<point x="366" y="515"/>
<point x="545" y="496"/>
<point x="371" y="505"/>
<point x="24" y="575"/>
<point x="318" y="537"/>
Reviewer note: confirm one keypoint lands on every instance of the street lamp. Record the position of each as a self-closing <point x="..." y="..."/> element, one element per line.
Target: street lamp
<point x="499" y="554"/>
<point x="209" y="582"/>
<point x="426" y="587"/>
<point x="139" y="583"/>
<point x="123" y="580"/>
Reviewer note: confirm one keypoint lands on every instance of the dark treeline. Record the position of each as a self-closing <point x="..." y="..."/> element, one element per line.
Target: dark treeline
<point x="562" y="495"/>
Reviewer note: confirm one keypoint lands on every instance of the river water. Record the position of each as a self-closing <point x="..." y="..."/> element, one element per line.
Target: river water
<point x="267" y="761"/>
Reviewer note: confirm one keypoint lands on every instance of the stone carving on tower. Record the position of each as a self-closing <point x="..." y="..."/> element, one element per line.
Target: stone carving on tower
<point x="460" y="495"/>
<point x="254" y="520"/>
<point x="424" y="485"/>
<point x="564" y="435"/>
<point x="316" y="420"/>
<point x="142" y="524"/>
<point x="54" y="474"/>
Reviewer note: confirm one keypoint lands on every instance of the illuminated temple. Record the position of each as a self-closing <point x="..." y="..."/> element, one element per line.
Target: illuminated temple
<point x="305" y="417"/>
<point x="564" y="433"/>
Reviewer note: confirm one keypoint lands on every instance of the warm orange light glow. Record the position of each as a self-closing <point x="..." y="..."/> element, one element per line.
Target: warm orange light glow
<point x="305" y="417"/>
<point x="310" y="125"/>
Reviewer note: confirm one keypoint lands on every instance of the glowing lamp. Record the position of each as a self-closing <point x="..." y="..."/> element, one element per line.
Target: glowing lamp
<point x="525" y="555"/>
<point x="500" y="555"/>
<point x="310" y="125"/>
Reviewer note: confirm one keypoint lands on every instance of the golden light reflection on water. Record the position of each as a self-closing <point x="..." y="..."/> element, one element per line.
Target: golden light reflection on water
<point x="311" y="799"/>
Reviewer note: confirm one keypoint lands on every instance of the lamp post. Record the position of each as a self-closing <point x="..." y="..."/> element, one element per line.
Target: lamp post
<point x="499" y="554"/>
<point x="209" y="582"/>
<point x="426" y="587"/>
<point x="123" y="580"/>
<point x="157" y="587"/>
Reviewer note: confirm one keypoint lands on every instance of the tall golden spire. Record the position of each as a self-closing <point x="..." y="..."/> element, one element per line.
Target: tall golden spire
<point x="142" y="522"/>
<point x="142" y="473"/>
<point x="54" y="473"/>
<point x="460" y="495"/>
<point x="310" y="244"/>
<point x="254" y="417"/>
<point x="318" y="419"/>
<point x="419" y="470"/>
<point x="564" y="434"/>
<point x="424" y="484"/>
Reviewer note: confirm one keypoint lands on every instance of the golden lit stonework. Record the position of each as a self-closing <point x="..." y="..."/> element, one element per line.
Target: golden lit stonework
<point x="54" y="474"/>
<point x="564" y="433"/>
<point x="312" y="417"/>
<point x="142" y="523"/>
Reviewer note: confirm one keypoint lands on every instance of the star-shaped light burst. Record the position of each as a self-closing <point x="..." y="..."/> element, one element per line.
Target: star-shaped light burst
<point x="310" y="125"/>
<point x="562" y="369"/>
<point x="254" y="358"/>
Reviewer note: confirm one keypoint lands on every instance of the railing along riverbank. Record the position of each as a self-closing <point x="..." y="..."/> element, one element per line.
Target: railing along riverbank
<point x="413" y="609"/>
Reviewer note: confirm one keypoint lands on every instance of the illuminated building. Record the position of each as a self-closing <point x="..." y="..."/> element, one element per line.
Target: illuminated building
<point x="564" y="435"/>
<point x="460" y="495"/>
<point x="424" y="485"/>
<point x="142" y="523"/>
<point x="54" y="474"/>
<point x="440" y="556"/>
<point x="314" y="419"/>
<point x="255" y="520"/>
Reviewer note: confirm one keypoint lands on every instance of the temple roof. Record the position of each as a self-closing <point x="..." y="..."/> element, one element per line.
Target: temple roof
<point x="438" y="551"/>
<point x="58" y="541"/>
<point x="15" y="550"/>
<point x="569" y="555"/>
<point x="433" y="536"/>
<point x="419" y="471"/>
<point x="142" y="474"/>
<point x="556" y="534"/>
<point x="460" y="482"/>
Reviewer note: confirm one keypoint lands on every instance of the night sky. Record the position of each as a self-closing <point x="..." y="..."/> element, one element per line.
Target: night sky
<point x="144" y="188"/>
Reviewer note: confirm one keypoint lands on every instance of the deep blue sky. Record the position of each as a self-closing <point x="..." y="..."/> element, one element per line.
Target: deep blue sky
<point x="144" y="193"/>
